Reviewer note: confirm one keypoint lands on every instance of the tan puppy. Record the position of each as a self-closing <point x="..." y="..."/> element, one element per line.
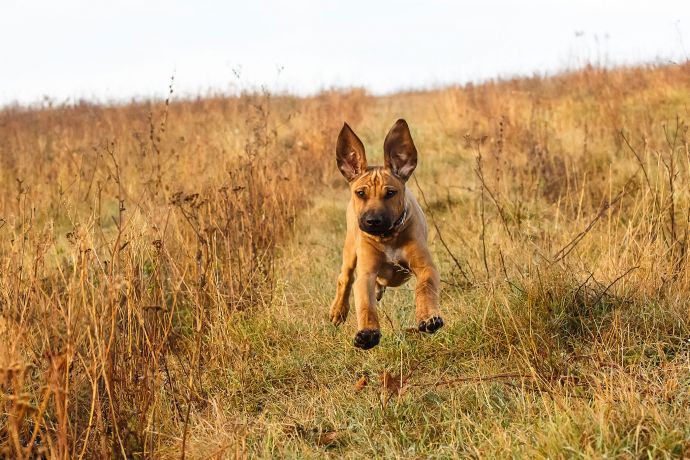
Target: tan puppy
<point x="386" y="235"/>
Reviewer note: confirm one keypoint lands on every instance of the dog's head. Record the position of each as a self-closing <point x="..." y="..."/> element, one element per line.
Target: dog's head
<point x="378" y="193"/>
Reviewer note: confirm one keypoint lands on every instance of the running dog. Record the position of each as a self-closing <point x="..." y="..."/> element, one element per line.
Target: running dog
<point x="386" y="239"/>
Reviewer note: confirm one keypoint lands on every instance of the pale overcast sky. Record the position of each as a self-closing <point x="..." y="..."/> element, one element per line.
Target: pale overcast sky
<point x="124" y="48"/>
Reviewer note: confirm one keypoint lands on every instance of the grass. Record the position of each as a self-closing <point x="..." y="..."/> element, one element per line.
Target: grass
<point x="167" y="269"/>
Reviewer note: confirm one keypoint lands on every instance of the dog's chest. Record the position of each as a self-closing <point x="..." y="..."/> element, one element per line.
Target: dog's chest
<point x="394" y="256"/>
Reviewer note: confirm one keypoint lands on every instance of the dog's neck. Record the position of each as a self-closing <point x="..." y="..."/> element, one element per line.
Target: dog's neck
<point x="400" y="220"/>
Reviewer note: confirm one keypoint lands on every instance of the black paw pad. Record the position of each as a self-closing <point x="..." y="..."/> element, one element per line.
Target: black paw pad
<point x="431" y="325"/>
<point x="367" y="338"/>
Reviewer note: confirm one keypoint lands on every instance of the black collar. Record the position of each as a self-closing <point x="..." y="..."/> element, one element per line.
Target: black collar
<point x="396" y="225"/>
<point x="400" y="220"/>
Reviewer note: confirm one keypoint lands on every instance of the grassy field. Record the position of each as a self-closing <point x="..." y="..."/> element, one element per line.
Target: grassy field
<point x="167" y="269"/>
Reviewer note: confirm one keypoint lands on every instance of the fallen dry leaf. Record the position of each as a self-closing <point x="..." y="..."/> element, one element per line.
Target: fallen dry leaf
<point x="391" y="383"/>
<point x="329" y="438"/>
<point x="361" y="383"/>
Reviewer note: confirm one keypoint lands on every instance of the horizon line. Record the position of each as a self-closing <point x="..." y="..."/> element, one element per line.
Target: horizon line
<point x="47" y="102"/>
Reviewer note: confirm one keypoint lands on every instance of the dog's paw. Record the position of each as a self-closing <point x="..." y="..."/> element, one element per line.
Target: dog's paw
<point x="431" y="325"/>
<point x="367" y="338"/>
<point x="337" y="318"/>
<point x="338" y="314"/>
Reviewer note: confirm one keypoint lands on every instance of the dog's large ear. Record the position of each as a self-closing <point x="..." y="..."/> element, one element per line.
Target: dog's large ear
<point x="399" y="152"/>
<point x="349" y="153"/>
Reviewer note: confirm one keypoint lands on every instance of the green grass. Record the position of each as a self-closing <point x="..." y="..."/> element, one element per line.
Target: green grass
<point x="580" y="396"/>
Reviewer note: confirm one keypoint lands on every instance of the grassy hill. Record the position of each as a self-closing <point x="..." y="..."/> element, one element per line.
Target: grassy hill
<point x="167" y="268"/>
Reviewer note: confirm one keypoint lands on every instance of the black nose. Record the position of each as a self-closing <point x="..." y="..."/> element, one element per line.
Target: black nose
<point x="373" y="221"/>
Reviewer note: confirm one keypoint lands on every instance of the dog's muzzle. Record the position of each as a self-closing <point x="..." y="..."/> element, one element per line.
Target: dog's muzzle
<point x="379" y="224"/>
<point x="374" y="224"/>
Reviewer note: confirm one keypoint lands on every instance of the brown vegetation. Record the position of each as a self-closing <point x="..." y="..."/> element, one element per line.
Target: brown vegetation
<point x="154" y="303"/>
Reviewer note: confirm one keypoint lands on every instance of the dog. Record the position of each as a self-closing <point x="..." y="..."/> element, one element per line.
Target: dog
<point x="386" y="239"/>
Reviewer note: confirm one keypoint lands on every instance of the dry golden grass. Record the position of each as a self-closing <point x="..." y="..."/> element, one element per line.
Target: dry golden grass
<point x="167" y="268"/>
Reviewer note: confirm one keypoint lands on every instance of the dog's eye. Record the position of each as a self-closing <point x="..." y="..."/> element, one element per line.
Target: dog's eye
<point x="390" y="192"/>
<point x="360" y="193"/>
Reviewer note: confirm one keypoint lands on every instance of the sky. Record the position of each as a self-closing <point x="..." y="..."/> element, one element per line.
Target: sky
<point x="122" y="49"/>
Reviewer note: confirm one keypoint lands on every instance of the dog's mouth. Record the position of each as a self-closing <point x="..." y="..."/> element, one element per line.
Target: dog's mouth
<point x="382" y="227"/>
<point x="379" y="225"/>
<point x="375" y="230"/>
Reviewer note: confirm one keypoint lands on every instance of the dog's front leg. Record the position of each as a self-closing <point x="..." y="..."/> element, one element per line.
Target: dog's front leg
<point x="368" y="329"/>
<point x="341" y="304"/>
<point x="427" y="312"/>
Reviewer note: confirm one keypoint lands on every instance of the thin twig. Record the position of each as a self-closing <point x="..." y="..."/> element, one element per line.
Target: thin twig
<point x="438" y="232"/>
<point x="186" y="425"/>
<point x="483" y="235"/>
<point x="568" y="248"/>
<point x="603" y="293"/>
<point x="644" y="170"/>
<point x="507" y="375"/>
<point x="479" y="171"/>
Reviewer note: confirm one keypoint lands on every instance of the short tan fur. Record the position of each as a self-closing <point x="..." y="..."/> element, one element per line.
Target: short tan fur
<point x="386" y="240"/>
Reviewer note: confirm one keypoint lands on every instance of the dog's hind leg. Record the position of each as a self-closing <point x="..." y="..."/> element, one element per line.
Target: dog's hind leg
<point x="341" y="304"/>
<point x="380" y="289"/>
